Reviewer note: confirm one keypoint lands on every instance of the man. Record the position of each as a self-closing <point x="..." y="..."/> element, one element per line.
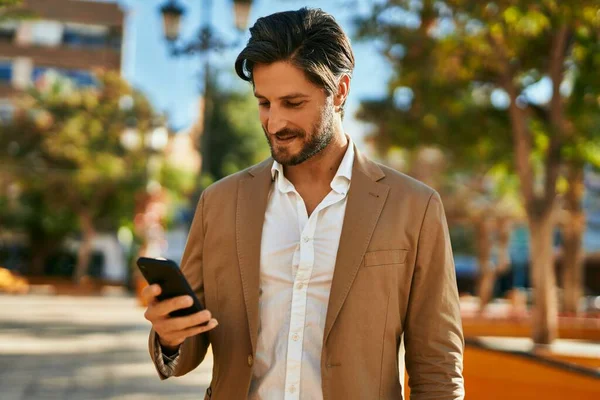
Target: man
<point x="314" y="262"/>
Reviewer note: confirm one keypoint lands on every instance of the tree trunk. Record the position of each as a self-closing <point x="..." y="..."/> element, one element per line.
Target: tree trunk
<point x="503" y="226"/>
<point x="485" y="284"/>
<point x="488" y="272"/>
<point x="573" y="228"/>
<point x="545" y="308"/>
<point x="540" y="207"/>
<point x="40" y="250"/>
<point x="85" y="249"/>
<point x="38" y="262"/>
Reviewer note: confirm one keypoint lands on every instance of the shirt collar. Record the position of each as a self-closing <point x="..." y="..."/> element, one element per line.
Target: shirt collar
<point x="340" y="182"/>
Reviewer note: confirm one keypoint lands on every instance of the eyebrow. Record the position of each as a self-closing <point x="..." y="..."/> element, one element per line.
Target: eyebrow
<point x="286" y="97"/>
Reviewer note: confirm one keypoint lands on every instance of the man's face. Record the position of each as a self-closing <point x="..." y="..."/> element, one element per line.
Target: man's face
<point x="296" y="115"/>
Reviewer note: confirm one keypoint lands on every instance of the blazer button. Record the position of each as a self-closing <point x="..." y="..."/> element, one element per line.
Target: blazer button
<point x="250" y="360"/>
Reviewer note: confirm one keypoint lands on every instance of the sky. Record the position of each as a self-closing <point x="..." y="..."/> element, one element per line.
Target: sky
<point x="172" y="83"/>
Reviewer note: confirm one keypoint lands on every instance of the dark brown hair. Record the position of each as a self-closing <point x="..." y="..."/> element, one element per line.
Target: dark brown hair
<point x="308" y="38"/>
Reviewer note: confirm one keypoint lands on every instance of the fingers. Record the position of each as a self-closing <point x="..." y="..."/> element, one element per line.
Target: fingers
<point x="165" y="307"/>
<point x="182" y="323"/>
<point x="195" y="330"/>
<point x="174" y="330"/>
<point x="150" y="292"/>
<point x="180" y="336"/>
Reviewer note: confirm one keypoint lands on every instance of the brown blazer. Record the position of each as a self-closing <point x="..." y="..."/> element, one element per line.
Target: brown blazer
<point x="394" y="274"/>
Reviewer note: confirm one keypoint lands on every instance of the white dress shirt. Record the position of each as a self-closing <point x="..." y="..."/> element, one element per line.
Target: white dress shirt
<point x="297" y="260"/>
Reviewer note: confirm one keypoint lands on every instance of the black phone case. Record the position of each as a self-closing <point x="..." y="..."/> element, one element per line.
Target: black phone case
<point x="167" y="274"/>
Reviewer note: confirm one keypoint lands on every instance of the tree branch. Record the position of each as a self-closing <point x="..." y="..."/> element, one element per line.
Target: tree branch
<point x="539" y="111"/>
<point x="521" y="134"/>
<point x="557" y="118"/>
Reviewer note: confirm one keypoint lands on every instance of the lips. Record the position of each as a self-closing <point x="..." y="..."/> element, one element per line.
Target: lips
<point x="284" y="138"/>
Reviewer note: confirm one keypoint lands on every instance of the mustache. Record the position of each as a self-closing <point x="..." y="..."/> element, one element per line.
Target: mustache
<point x="286" y="132"/>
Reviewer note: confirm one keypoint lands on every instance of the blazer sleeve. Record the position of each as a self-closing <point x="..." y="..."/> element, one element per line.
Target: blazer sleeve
<point x="433" y="329"/>
<point x="193" y="350"/>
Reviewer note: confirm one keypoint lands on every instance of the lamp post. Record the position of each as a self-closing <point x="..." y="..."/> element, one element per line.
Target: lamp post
<point x="171" y="13"/>
<point x="242" y="12"/>
<point x="206" y="41"/>
<point x="203" y="44"/>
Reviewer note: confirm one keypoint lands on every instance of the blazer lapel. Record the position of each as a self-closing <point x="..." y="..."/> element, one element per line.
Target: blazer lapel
<point x="366" y="198"/>
<point x="252" y="200"/>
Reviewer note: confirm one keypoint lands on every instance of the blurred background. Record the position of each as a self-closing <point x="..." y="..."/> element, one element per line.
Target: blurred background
<point x="114" y="115"/>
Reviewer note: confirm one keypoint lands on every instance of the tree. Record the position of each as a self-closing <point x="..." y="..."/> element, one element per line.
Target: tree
<point x="501" y="48"/>
<point x="65" y="149"/>
<point x="233" y="138"/>
<point x="483" y="199"/>
<point x="490" y="204"/>
<point x="24" y="205"/>
<point x="8" y="3"/>
<point x="11" y="10"/>
<point x="581" y="149"/>
<point x="478" y="186"/>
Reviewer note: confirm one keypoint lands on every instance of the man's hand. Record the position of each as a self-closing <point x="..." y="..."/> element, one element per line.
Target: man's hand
<point x="172" y="331"/>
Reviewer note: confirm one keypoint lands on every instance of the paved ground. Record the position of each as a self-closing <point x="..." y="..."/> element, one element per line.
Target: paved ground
<point x="61" y="347"/>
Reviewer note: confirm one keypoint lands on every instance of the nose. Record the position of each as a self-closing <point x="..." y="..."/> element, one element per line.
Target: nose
<point x="276" y="122"/>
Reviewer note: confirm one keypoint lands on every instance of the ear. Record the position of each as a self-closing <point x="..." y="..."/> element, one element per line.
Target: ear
<point x="342" y="91"/>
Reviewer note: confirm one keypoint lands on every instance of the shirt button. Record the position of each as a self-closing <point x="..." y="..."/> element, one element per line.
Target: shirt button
<point x="300" y="285"/>
<point x="250" y="360"/>
<point x="292" y="389"/>
<point x="295" y="337"/>
<point x="306" y="239"/>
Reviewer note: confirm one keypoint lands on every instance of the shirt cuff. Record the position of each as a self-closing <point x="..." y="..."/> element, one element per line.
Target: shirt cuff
<point x="166" y="364"/>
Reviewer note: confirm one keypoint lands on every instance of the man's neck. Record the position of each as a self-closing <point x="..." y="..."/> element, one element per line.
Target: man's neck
<point x="320" y="169"/>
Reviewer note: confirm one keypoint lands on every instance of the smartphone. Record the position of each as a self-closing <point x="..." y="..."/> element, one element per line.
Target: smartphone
<point x="168" y="276"/>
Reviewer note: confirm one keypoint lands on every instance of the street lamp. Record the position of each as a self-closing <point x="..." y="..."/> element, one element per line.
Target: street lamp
<point x="203" y="44"/>
<point x="172" y="13"/>
<point x="242" y="11"/>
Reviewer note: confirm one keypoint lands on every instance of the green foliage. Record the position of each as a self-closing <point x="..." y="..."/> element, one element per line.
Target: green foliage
<point x="11" y="10"/>
<point x="179" y="186"/>
<point x="63" y="152"/>
<point x="427" y="106"/>
<point x="175" y="180"/>
<point x="233" y="137"/>
<point x="583" y="108"/>
<point x="8" y="3"/>
<point x="77" y="142"/>
<point x="453" y="57"/>
<point x="36" y="216"/>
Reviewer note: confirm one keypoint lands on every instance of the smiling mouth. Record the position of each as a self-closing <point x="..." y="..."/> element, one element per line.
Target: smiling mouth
<point x="285" y="139"/>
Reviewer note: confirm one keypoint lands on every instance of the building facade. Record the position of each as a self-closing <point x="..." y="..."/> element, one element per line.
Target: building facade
<point x="73" y="37"/>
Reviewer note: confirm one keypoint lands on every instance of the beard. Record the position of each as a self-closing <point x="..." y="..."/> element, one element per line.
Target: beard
<point x="321" y="134"/>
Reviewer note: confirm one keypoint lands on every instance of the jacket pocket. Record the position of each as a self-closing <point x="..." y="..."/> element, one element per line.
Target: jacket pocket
<point x="384" y="257"/>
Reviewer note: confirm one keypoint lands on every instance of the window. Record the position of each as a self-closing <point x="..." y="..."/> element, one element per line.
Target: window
<point x="46" y="33"/>
<point x="81" y="35"/>
<point x="6" y="71"/>
<point x="80" y="78"/>
<point x="114" y="38"/>
<point x="8" y="30"/>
